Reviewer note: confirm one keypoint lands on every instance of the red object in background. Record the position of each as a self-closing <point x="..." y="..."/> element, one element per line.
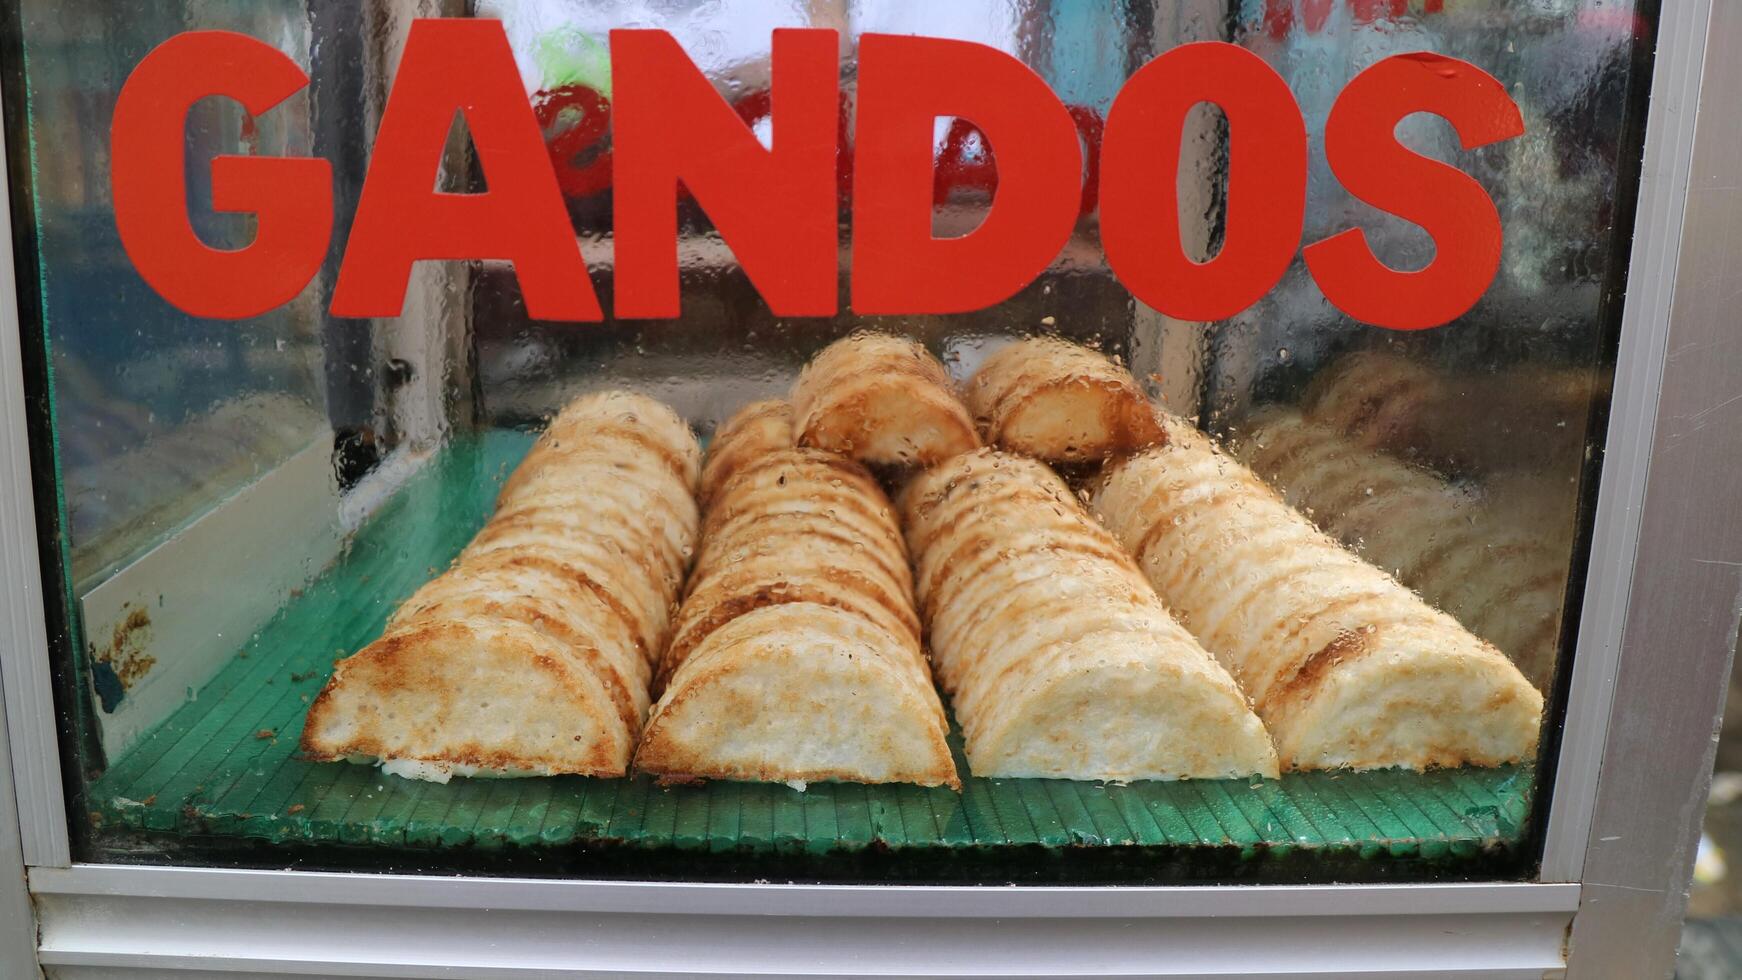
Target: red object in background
<point x="590" y="122"/>
<point x="1266" y="190"/>
<point x="1368" y="11"/>
<point x="956" y="170"/>
<point x="844" y="154"/>
<point x="1091" y="128"/>
<point x="291" y="197"/>
<point x="1364" y="153"/>
<point x="775" y="207"/>
<point x="458" y="65"/>
<point x="592" y="125"/>
<point x="905" y="83"/>
<point x="756" y="106"/>
<point x="1279" y="17"/>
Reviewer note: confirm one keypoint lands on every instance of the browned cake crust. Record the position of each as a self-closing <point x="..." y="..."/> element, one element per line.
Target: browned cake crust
<point x="1060" y="402"/>
<point x="795" y="656"/>
<point x="1530" y="416"/>
<point x="1502" y="579"/>
<point x="882" y="400"/>
<point x="756" y="429"/>
<point x="1346" y="667"/>
<point x="1060" y="659"/>
<point x="533" y="653"/>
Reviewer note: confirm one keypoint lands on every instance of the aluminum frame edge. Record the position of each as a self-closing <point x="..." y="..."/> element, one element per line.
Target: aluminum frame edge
<point x="890" y="901"/>
<point x="1679" y="633"/>
<point x="17" y="913"/>
<point x="1630" y="442"/>
<point x="139" y="922"/>
<point x="24" y="657"/>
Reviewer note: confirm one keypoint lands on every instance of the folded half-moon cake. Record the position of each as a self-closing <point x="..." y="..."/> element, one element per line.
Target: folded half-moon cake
<point x="1060" y="402"/>
<point x="1504" y="582"/>
<point x="1059" y="657"/>
<point x="533" y="653"/>
<point x="1530" y="416"/>
<point x="755" y="430"/>
<point x="882" y="400"/>
<point x="1347" y="667"/>
<point x="795" y="656"/>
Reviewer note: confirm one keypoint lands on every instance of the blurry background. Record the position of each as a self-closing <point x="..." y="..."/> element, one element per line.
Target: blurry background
<point x="1712" y="936"/>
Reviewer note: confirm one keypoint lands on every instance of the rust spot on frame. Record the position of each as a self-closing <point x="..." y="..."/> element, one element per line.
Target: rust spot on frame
<point x="123" y="662"/>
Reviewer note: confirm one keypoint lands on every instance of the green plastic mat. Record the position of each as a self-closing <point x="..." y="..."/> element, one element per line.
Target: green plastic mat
<point x="225" y="767"/>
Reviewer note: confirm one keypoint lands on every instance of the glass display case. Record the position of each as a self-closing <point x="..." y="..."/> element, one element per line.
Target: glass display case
<point x="1013" y="487"/>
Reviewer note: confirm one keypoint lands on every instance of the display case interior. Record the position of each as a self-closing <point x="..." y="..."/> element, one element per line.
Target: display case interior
<point x="242" y="505"/>
<point x="226" y="767"/>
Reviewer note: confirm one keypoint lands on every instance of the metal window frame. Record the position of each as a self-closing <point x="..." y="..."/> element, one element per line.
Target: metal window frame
<point x="1642" y="369"/>
<point x="1634" y="765"/>
<point x="24" y="665"/>
<point x="17" y="914"/>
<point x="1667" y="663"/>
<point x="313" y="924"/>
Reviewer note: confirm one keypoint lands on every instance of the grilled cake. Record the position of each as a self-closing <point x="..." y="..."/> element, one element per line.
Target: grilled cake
<point x="796" y="653"/>
<point x="533" y="653"/>
<point x="1059" y="657"/>
<point x="1347" y="667"/>
<point x="1060" y="402"/>
<point x="883" y="400"/>
<point x="1501" y="579"/>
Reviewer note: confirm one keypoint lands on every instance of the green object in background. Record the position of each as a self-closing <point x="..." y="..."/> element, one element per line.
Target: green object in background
<point x="567" y="56"/>
<point x="224" y="768"/>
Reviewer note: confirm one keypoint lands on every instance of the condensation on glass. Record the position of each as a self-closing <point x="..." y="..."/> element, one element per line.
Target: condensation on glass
<point x="1457" y="458"/>
<point x="158" y="415"/>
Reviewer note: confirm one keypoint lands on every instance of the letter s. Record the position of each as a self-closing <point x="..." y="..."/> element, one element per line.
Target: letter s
<point x="1361" y="145"/>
